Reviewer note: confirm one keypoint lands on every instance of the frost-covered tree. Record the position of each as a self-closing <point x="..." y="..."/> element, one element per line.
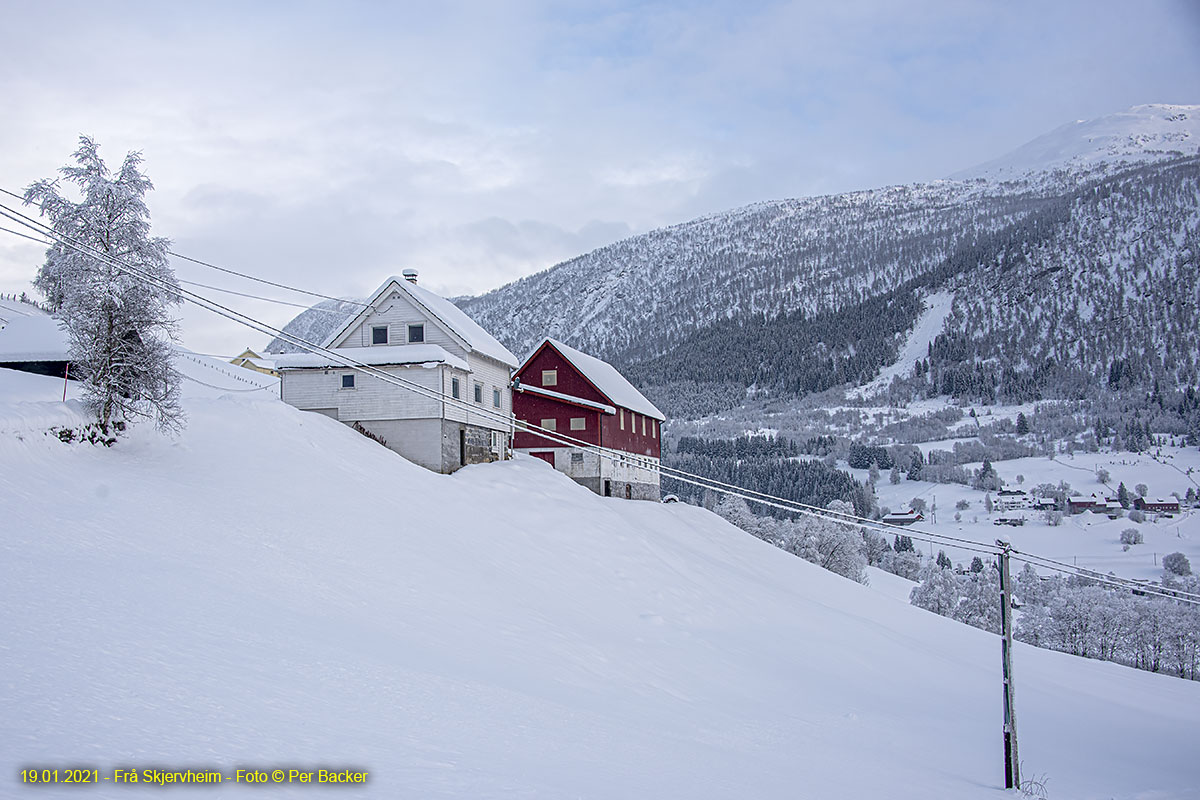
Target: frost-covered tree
<point x="1131" y="536"/>
<point x="938" y="590"/>
<point x="1177" y="564"/>
<point x="980" y="604"/>
<point x="119" y="326"/>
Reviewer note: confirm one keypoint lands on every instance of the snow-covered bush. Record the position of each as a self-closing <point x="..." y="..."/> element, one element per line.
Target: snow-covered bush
<point x="1177" y="564"/>
<point x="1131" y="536"/>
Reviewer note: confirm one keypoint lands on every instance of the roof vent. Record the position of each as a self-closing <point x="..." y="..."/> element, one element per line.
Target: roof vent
<point x="410" y="275"/>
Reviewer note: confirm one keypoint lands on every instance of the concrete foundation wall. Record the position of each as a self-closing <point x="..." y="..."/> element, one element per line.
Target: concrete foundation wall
<point x="590" y="470"/>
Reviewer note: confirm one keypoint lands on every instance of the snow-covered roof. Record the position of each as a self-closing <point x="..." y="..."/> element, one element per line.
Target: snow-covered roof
<point x="607" y="409"/>
<point x="903" y="516"/>
<point x="33" y="338"/>
<point x="373" y="356"/>
<point x="605" y="377"/>
<point x="441" y="309"/>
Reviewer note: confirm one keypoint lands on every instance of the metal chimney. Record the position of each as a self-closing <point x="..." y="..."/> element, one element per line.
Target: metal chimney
<point x="410" y="275"/>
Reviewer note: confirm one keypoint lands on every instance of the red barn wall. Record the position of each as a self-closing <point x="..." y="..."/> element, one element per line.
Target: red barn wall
<point x="532" y="408"/>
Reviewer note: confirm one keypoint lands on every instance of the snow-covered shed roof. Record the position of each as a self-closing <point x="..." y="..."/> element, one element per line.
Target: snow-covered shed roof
<point x="439" y="308"/>
<point x="605" y="378"/>
<point x="579" y="401"/>
<point x="33" y="338"/>
<point x="373" y="356"/>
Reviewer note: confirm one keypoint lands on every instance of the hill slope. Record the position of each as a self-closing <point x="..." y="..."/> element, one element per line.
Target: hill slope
<point x="273" y="589"/>
<point x="1139" y="134"/>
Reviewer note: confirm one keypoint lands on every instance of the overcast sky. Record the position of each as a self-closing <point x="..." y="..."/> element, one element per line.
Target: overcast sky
<point x="329" y="145"/>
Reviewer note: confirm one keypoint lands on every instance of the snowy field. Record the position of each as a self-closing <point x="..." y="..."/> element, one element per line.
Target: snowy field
<point x="272" y="589"/>
<point x="1089" y="540"/>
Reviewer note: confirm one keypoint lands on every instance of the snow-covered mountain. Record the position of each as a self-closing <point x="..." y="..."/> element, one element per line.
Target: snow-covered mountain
<point x="798" y="296"/>
<point x="273" y="590"/>
<point x="1137" y="135"/>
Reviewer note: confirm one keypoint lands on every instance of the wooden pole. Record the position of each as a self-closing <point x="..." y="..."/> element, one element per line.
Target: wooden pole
<point x="1012" y="775"/>
<point x="66" y="375"/>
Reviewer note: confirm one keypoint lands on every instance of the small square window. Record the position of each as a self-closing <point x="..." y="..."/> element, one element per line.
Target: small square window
<point x="576" y="457"/>
<point x="348" y="381"/>
<point x="496" y="398"/>
<point x="549" y="377"/>
<point x="479" y="393"/>
<point x="579" y="423"/>
<point x="416" y="334"/>
<point x="454" y="390"/>
<point x="550" y="424"/>
<point x="379" y="334"/>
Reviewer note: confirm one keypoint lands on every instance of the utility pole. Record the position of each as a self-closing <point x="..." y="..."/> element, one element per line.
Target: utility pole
<point x="1012" y="776"/>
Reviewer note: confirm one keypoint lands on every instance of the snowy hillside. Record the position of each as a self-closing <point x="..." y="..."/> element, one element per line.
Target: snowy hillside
<point x="272" y="589"/>
<point x="796" y="297"/>
<point x="1141" y="133"/>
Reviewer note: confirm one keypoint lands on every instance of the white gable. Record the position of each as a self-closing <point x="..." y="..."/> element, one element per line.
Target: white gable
<point x="438" y="310"/>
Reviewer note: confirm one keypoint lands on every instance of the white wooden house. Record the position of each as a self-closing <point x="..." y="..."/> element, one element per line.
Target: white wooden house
<point x="408" y="331"/>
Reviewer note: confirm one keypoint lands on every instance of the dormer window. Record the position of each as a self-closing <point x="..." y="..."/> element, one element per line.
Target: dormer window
<point x="416" y="334"/>
<point x="379" y="334"/>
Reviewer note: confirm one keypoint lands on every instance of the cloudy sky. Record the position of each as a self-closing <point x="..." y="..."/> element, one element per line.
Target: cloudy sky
<point x="328" y="145"/>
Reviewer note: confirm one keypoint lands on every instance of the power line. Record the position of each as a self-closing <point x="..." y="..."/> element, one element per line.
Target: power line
<point x="221" y="269"/>
<point x="264" y="280"/>
<point x="685" y="477"/>
<point x="260" y="297"/>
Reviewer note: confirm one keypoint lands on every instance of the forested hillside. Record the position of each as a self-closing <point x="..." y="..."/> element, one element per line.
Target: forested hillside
<point x="1063" y="283"/>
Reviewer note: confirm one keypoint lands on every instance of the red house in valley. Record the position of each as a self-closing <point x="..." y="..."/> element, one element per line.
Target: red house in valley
<point x="562" y="389"/>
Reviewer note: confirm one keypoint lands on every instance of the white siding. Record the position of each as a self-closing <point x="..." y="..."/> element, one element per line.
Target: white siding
<point x="371" y="399"/>
<point x="493" y="375"/>
<point x="398" y="311"/>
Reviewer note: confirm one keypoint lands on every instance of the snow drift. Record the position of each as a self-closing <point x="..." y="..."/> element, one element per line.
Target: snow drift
<point x="272" y="589"/>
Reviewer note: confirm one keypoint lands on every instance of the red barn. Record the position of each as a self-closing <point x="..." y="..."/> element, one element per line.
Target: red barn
<point x="562" y="389"/>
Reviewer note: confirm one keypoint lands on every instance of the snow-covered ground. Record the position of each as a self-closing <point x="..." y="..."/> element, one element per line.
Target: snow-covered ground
<point x="272" y="589"/>
<point x="916" y="346"/>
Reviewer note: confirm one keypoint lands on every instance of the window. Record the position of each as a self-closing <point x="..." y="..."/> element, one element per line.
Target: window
<point x="348" y="381"/>
<point x="643" y="426"/>
<point x="416" y="334"/>
<point x="379" y="334"/>
<point x="479" y="393"/>
<point x="496" y="398"/>
<point x="654" y="428"/>
<point x="550" y="424"/>
<point x="454" y="391"/>
<point x="576" y="457"/>
<point x="549" y="377"/>
<point x="579" y="423"/>
<point x="622" y="419"/>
